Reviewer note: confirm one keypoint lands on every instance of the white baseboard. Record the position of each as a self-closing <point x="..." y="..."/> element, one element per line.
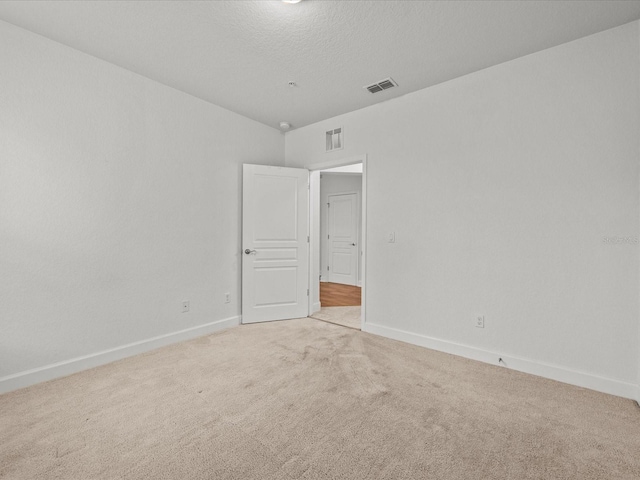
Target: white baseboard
<point x="553" y="372"/>
<point x="74" y="365"/>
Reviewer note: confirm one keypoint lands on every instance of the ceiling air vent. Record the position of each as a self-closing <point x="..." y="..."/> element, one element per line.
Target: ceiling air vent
<point x="381" y="85"/>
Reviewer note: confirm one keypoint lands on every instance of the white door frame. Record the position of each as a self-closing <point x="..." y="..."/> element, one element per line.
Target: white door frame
<point x="314" y="223"/>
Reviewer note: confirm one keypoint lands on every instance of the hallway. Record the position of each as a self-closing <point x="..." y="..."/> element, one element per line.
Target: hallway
<point x="338" y="295"/>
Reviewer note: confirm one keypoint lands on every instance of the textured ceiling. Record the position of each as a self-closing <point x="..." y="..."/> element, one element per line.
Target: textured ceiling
<point x="241" y="54"/>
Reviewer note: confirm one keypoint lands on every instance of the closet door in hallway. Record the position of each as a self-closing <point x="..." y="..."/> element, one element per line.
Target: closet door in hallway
<point x="343" y="238"/>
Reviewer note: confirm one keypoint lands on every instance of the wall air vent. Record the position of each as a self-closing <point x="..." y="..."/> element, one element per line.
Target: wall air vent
<point x="334" y="140"/>
<point x="381" y="85"/>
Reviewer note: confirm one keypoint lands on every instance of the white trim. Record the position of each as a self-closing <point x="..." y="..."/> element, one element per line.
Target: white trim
<point x="315" y="307"/>
<point x="553" y="372"/>
<point x="341" y="162"/>
<point x="353" y="174"/>
<point x="363" y="272"/>
<point x="74" y="365"/>
<point x="338" y="162"/>
<point x="638" y="338"/>
<point x="359" y="283"/>
<point x="315" y="274"/>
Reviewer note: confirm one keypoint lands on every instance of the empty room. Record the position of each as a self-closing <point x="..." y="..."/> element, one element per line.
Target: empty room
<point x="316" y="239"/>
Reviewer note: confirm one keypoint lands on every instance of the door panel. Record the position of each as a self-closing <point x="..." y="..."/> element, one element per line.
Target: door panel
<point x="343" y="238"/>
<point x="341" y="262"/>
<point x="275" y="286"/>
<point x="275" y="201"/>
<point x="275" y="256"/>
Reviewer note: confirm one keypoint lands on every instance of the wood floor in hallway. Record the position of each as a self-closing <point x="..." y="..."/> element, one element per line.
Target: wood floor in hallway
<point x="338" y="295"/>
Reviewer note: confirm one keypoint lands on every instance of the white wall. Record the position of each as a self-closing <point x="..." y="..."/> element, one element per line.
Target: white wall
<point x="119" y="199"/>
<point x="330" y="184"/>
<point x="500" y="186"/>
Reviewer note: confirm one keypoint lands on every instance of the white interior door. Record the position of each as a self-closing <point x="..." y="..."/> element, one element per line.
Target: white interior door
<point x="343" y="238"/>
<point x="275" y="243"/>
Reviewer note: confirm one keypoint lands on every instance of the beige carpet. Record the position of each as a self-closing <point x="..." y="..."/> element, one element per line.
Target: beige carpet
<point x="310" y="400"/>
<point x="345" y="316"/>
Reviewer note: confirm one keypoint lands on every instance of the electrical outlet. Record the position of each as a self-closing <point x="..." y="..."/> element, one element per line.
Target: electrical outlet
<point x="480" y="321"/>
<point x="185" y="306"/>
<point x="227" y="297"/>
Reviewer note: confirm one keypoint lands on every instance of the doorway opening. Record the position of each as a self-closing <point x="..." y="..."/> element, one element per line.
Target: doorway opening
<point x="338" y="199"/>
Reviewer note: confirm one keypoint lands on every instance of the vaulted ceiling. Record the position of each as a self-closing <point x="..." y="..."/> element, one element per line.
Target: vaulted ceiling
<point x="242" y="55"/>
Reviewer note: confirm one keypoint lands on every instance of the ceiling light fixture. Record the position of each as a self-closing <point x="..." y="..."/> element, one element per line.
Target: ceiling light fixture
<point x="291" y="1"/>
<point x="284" y="126"/>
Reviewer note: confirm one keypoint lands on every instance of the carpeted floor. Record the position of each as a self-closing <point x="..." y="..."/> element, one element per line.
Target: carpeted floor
<point x="345" y="316"/>
<point x="311" y="400"/>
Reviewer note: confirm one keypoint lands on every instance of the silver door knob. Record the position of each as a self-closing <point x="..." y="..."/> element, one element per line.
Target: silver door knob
<point x="249" y="252"/>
